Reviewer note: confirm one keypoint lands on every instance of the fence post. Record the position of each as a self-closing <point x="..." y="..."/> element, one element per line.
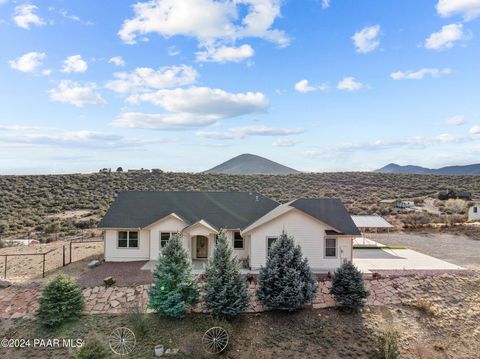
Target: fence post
<point x="5" y="274"/>
<point x="43" y="270"/>
<point x="64" y="255"/>
<point x="70" y="251"/>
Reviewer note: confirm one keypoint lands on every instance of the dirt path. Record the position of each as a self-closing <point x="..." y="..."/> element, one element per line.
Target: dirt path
<point x="456" y="249"/>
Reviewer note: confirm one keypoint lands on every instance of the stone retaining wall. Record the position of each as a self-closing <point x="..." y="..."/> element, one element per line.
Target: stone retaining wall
<point x="21" y="302"/>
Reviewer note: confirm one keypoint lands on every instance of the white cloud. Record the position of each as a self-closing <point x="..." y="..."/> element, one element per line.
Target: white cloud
<point x="173" y="51"/>
<point x="28" y="62"/>
<point x="75" y="94"/>
<point x="82" y="138"/>
<point x="3" y="2"/>
<point x="284" y="142"/>
<point x="242" y="132"/>
<point x="367" y="40"/>
<point x="420" y="74"/>
<point x="24" y="16"/>
<point x="160" y="121"/>
<point x="206" y="20"/>
<point x="455" y="120"/>
<point x="349" y="84"/>
<point x="145" y="78"/>
<point x="445" y="38"/>
<point x="304" y="86"/>
<point x="225" y="54"/>
<point x="470" y="9"/>
<point x="475" y="130"/>
<point x="74" y="63"/>
<point x="64" y="13"/>
<point x="117" y="61"/>
<point x="205" y="101"/>
<point x="325" y="4"/>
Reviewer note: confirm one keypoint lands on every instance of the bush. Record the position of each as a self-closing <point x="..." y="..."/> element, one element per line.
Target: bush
<point x="386" y="344"/>
<point x="348" y="287"/>
<point x="286" y="282"/>
<point x="226" y="293"/>
<point x="174" y="288"/>
<point x="92" y="349"/>
<point x="61" y="300"/>
<point x="139" y="321"/>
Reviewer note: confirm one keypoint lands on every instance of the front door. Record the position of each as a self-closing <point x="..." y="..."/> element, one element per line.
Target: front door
<point x="202" y="247"/>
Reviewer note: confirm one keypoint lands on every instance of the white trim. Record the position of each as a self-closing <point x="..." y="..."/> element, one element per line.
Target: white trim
<point x="128" y="240"/>
<point x="202" y="223"/>
<point x="174" y="215"/>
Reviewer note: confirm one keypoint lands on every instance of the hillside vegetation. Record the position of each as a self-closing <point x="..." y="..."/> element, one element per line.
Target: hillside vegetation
<point x="29" y="203"/>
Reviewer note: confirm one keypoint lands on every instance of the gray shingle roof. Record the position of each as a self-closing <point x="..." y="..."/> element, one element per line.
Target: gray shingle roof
<point x="219" y="209"/>
<point x="330" y="211"/>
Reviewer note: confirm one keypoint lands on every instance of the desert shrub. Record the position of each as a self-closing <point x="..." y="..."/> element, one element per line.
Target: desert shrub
<point x="387" y="344"/>
<point x="225" y="290"/>
<point x="348" y="287"/>
<point x="92" y="349"/>
<point x="456" y="206"/>
<point x="425" y="306"/>
<point x="174" y="287"/>
<point x="286" y="282"/>
<point x="61" y="300"/>
<point x="139" y="321"/>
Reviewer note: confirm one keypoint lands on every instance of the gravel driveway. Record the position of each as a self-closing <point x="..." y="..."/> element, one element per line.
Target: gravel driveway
<point x="456" y="249"/>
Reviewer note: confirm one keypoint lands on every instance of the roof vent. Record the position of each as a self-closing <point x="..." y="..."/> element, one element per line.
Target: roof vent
<point x="256" y="198"/>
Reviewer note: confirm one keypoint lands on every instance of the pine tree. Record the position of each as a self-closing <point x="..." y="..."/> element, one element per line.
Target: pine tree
<point x="174" y="286"/>
<point x="348" y="287"/>
<point x="226" y="293"/>
<point x="61" y="300"/>
<point x="286" y="282"/>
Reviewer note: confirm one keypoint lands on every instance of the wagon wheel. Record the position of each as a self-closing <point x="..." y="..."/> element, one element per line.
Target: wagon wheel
<point x="215" y="340"/>
<point x="122" y="341"/>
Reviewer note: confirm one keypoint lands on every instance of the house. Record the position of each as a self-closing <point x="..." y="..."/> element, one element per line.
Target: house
<point x="405" y="204"/>
<point x="139" y="224"/>
<point x="474" y="212"/>
<point x="453" y="194"/>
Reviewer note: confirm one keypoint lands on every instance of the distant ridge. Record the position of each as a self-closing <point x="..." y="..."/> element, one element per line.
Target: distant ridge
<point x="251" y="164"/>
<point x="473" y="169"/>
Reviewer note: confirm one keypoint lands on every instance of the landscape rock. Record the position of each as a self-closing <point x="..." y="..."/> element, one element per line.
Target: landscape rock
<point x="109" y="281"/>
<point x="5" y="284"/>
<point x="93" y="264"/>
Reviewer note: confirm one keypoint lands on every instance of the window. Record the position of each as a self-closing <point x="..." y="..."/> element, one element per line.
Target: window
<point x="331" y="247"/>
<point x="127" y="239"/>
<point x="270" y="242"/>
<point x="475" y="209"/>
<point x="237" y="241"/>
<point x="164" y="238"/>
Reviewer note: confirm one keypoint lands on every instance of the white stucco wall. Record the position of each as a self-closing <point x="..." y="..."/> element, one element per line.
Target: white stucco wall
<point x="307" y="232"/>
<point x="115" y="254"/>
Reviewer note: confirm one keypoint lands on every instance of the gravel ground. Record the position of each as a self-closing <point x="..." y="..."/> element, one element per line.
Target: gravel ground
<point x="126" y="274"/>
<point x="455" y="249"/>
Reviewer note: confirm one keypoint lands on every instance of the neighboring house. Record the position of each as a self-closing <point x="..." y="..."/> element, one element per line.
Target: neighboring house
<point x="139" y="224"/>
<point x="453" y="194"/>
<point x="405" y="204"/>
<point x="474" y="212"/>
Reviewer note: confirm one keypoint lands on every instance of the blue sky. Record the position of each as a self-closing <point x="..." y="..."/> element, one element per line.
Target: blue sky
<point x="183" y="85"/>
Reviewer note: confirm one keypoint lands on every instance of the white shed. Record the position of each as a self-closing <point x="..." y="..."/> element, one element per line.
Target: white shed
<point x="474" y="212"/>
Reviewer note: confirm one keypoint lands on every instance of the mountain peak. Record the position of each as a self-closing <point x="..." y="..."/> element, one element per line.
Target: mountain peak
<point x="248" y="163"/>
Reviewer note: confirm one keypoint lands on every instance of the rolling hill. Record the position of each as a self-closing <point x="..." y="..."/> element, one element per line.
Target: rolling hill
<point x="246" y="164"/>
<point x="449" y="170"/>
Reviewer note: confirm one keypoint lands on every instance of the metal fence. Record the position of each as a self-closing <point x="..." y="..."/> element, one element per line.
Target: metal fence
<point x="22" y="264"/>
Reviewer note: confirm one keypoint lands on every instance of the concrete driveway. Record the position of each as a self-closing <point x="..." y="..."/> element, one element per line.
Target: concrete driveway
<point x="373" y="259"/>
